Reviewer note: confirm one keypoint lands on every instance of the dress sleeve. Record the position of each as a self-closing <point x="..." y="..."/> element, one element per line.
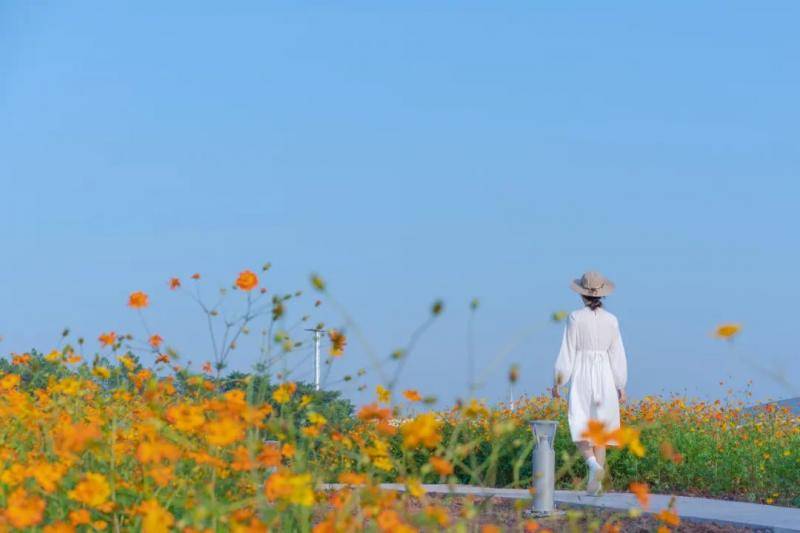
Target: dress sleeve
<point x="566" y="356"/>
<point x="619" y="362"/>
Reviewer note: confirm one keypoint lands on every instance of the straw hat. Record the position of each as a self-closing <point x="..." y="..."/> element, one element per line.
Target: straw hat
<point x="593" y="284"/>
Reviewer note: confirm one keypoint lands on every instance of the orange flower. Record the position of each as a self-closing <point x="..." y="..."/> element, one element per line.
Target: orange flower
<point x="80" y="517"/>
<point x="23" y="359"/>
<point x="155" y="519"/>
<point x="628" y="437"/>
<point x="338" y="342"/>
<point x="207" y="367"/>
<point x="162" y="358"/>
<point x="107" y="339"/>
<point x="138" y="300"/>
<point x="727" y="331"/>
<point x="669" y="517"/>
<point x="24" y="510"/>
<point x="174" y="283"/>
<point x="373" y="411"/>
<point x="596" y="433"/>
<point x="349" y="478"/>
<point x="223" y="432"/>
<point x="247" y="280"/>
<point x="491" y="528"/>
<point x="270" y="455"/>
<point x="93" y="490"/>
<point x="388" y="520"/>
<point x="156" y="340"/>
<point x="195" y="276"/>
<point x="412" y="395"/>
<point x="442" y="466"/>
<point x="640" y="490"/>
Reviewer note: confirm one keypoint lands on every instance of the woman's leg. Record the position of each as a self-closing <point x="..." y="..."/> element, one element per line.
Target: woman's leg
<point x="600" y="455"/>
<point x="585" y="449"/>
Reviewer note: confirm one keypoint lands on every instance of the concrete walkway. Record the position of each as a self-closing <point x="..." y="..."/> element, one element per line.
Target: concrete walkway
<point x="778" y="519"/>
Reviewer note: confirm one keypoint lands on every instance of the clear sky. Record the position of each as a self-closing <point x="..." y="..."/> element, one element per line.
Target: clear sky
<point x="412" y="151"/>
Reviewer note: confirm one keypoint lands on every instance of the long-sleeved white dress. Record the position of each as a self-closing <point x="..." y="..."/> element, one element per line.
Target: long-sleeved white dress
<point x="592" y="359"/>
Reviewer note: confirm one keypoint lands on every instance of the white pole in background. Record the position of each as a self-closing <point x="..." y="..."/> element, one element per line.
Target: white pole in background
<point x="316" y="356"/>
<point x="316" y="359"/>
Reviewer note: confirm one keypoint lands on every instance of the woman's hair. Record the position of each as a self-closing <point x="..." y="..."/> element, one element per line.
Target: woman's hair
<point x="593" y="302"/>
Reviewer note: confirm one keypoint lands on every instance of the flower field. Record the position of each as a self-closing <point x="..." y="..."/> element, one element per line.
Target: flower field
<point x="103" y="443"/>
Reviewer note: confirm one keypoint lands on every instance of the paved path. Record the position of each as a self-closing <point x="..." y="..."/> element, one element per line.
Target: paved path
<point x="779" y="519"/>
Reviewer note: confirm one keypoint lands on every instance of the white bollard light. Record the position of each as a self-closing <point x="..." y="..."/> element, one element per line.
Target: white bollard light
<point x="544" y="467"/>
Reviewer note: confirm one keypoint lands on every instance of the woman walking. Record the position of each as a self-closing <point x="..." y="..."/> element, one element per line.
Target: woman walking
<point x="592" y="360"/>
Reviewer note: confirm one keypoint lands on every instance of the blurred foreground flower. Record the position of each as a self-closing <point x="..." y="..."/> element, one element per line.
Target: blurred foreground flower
<point x="727" y="331"/>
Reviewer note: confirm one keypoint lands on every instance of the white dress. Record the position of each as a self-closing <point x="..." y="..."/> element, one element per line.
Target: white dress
<point x="592" y="359"/>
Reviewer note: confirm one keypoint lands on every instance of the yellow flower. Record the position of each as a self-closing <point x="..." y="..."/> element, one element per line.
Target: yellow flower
<point x="284" y="392"/>
<point x="93" y="490"/>
<point x="727" y="331"/>
<point x="53" y="356"/>
<point x="384" y="396"/>
<point x="9" y="381"/>
<point x="424" y="429"/>
<point x="101" y="372"/>
<point x="47" y="475"/>
<point x="155" y="519"/>
<point x="338" y="342"/>
<point x="628" y="437"/>
<point x="317" y="419"/>
<point x="290" y="488"/>
<point x="415" y="488"/>
<point x="128" y="362"/>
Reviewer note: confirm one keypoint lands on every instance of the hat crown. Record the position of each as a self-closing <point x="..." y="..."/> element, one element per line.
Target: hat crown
<point x="592" y="281"/>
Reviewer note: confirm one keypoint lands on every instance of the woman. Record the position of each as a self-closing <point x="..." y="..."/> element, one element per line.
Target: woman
<point x="592" y="359"/>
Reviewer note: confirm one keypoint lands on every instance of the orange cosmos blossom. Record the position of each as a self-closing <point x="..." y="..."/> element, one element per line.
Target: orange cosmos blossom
<point x="24" y="510"/>
<point x="223" y="431"/>
<point x="412" y="395"/>
<point x="669" y="517"/>
<point x="442" y="466"/>
<point x="80" y="517"/>
<point x="596" y="433"/>
<point x="155" y="340"/>
<point x="138" y="300"/>
<point x="642" y="493"/>
<point x="93" y="490"/>
<point x="373" y="411"/>
<point x="247" y="280"/>
<point x="174" y="283"/>
<point x="338" y="342"/>
<point x="107" y="339"/>
<point x="155" y="519"/>
<point x="727" y="331"/>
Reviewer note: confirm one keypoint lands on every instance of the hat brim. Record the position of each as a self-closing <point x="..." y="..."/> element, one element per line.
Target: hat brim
<point x="605" y="290"/>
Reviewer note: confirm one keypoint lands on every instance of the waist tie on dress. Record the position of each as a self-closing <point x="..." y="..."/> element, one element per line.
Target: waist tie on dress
<point x="595" y="360"/>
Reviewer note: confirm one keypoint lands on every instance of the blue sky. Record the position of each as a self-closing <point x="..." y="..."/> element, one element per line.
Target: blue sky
<point x="410" y="152"/>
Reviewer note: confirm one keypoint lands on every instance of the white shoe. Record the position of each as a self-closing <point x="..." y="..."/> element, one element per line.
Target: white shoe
<point x="595" y="484"/>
